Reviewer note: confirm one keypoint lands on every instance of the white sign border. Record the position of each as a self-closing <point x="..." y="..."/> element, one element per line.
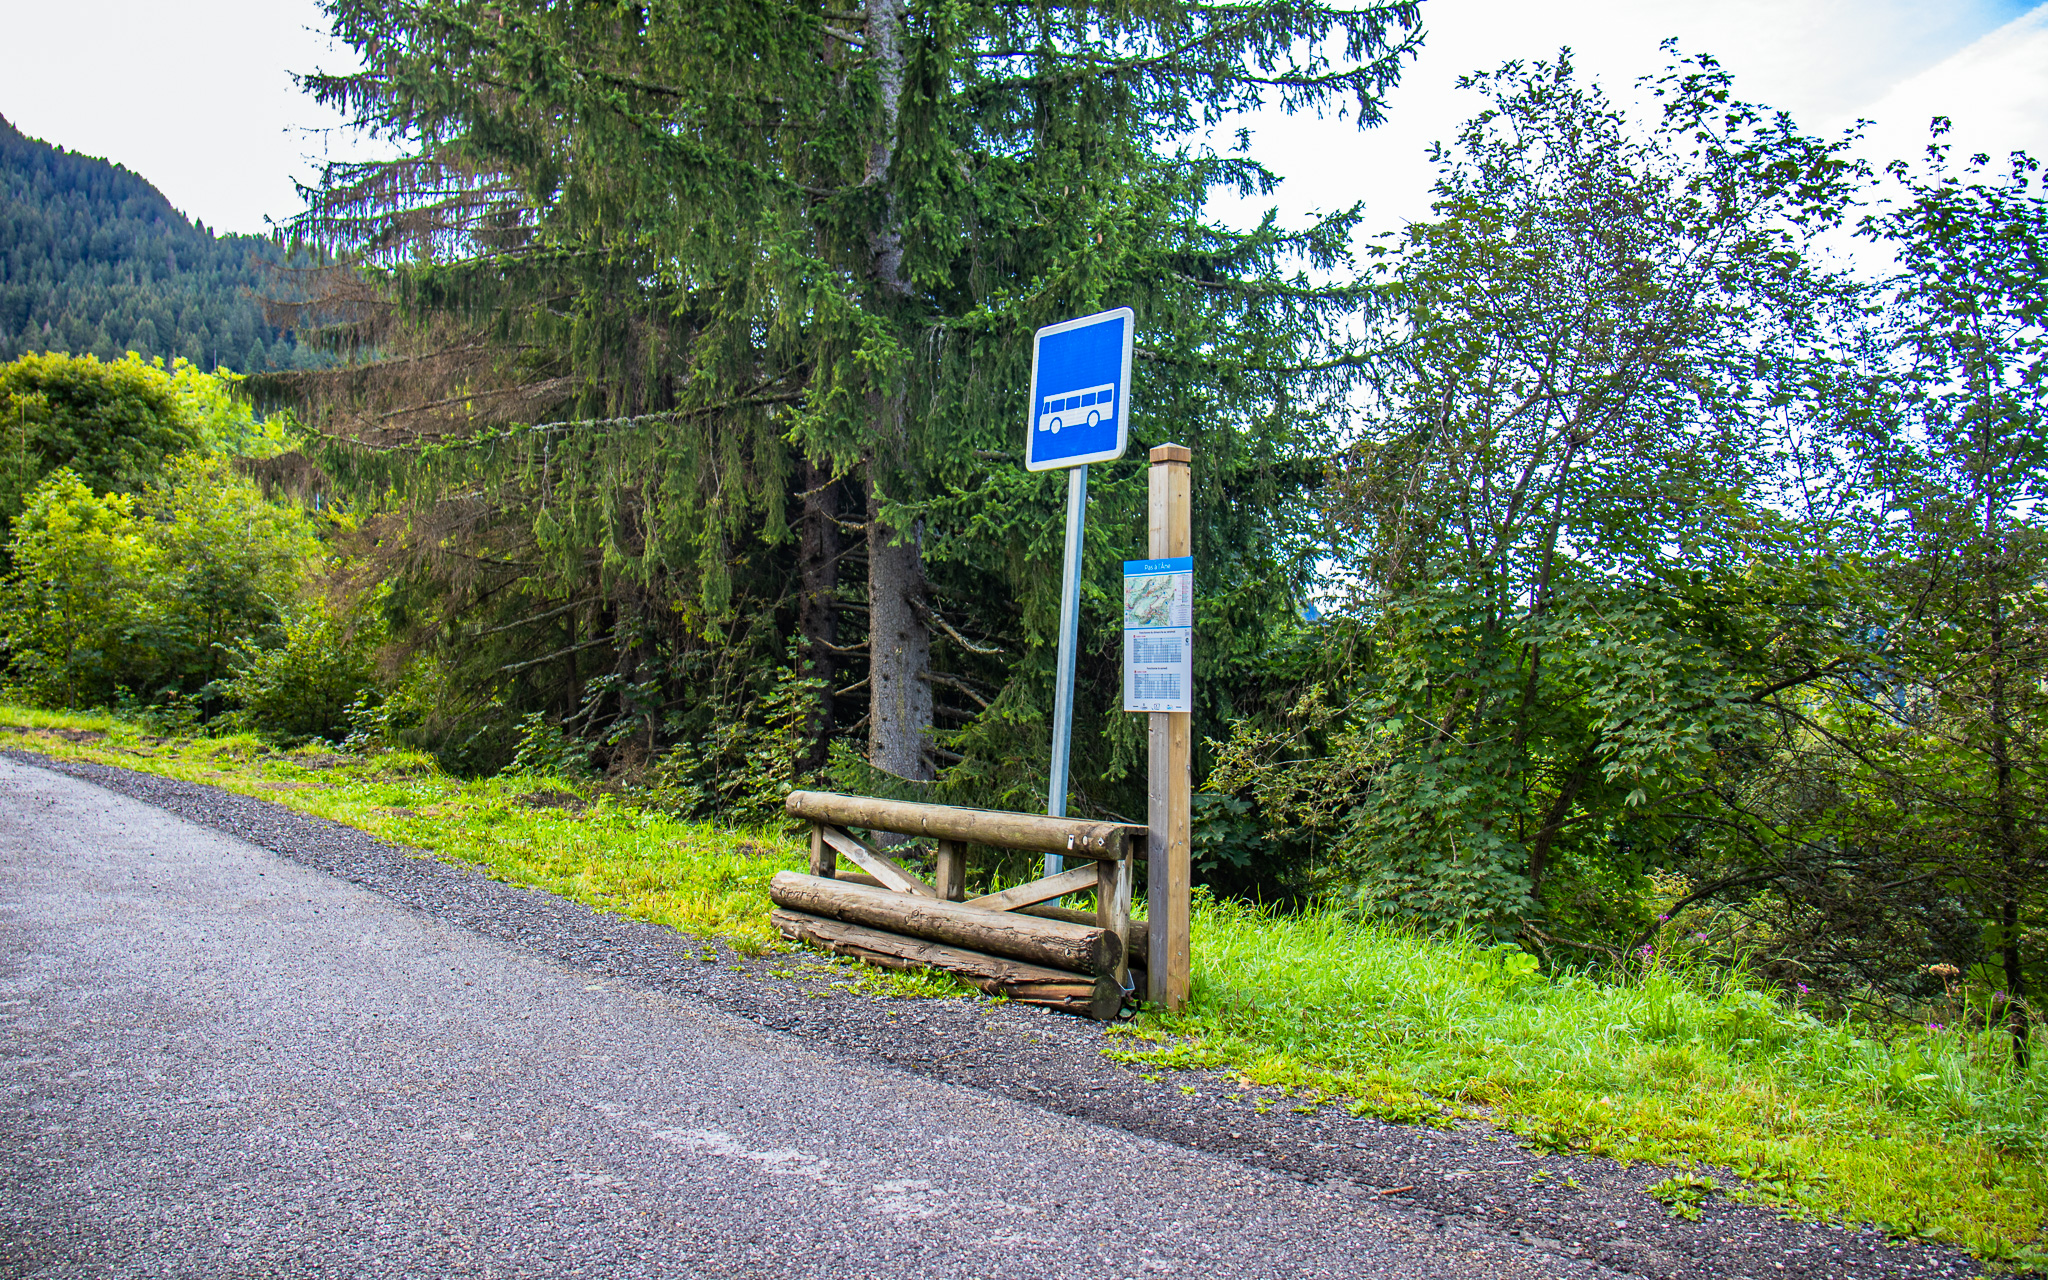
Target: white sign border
<point x="1123" y="399"/>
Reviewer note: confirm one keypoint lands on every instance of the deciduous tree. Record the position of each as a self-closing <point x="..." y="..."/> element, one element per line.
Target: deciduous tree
<point x="1566" y="521"/>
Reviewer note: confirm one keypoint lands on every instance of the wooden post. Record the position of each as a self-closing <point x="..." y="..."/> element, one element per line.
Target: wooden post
<point x="1113" y="907"/>
<point x="949" y="870"/>
<point x="824" y="859"/>
<point x="1172" y="760"/>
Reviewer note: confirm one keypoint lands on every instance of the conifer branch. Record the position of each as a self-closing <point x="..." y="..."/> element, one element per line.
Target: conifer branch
<point x="951" y="682"/>
<point x="538" y="617"/>
<point x="559" y="653"/>
<point x="570" y="424"/>
<point x="931" y="615"/>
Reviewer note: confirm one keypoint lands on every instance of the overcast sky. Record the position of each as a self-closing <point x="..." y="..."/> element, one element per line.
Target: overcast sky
<point x="197" y="95"/>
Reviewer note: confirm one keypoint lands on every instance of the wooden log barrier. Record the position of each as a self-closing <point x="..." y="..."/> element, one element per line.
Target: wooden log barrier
<point x="1056" y="944"/>
<point x="1098" y="997"/>
<point x="1031" y="832"/>
<point x="886" y="913"/>
<point x="1137" y="935"/>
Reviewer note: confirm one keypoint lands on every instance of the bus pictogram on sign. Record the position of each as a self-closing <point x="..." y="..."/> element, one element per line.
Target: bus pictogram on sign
<point x="1089" y="405"/>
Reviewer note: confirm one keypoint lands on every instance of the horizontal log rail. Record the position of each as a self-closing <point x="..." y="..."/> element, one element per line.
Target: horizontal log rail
<point x="1097" y="997"/>
<point x="1057" y="944"/>
<point x="1137" y="938"/>
<point x="1030" y="832"/>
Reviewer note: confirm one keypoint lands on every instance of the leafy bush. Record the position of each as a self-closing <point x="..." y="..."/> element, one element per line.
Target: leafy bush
<point x="432" y="706"/>
<point x="545" y="751"/>
<point x="748" y="761"/>
<point x="137" y="599"/>
<point x="305" y="686"/>
<point x="77" y="601"/>
<point x="112" y="424"/>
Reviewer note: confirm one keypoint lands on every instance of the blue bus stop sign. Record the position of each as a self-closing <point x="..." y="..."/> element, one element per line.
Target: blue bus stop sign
<point x="1080" y="391"/>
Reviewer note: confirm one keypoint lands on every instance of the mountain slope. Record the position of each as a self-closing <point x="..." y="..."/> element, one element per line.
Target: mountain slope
<point x="93" y="259"/>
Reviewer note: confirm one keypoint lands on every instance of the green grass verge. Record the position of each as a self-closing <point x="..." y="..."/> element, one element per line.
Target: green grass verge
<point x="1929" y="1134"/>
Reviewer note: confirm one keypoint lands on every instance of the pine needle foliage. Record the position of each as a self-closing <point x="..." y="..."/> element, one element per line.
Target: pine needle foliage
<point x="748" y="286"/>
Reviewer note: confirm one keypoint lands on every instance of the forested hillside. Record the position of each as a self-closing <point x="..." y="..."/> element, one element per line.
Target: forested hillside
<point x="94" y="260"/>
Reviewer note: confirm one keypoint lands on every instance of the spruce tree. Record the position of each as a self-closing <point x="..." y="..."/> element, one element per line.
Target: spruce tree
<point x="682" y="277"/>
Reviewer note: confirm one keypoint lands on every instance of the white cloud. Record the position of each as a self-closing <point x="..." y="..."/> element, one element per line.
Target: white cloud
<point x="1995" y="91"/>
<point x="1825" y="61"/>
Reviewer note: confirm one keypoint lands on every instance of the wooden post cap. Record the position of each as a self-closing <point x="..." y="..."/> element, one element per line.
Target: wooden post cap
<point x="1173" y="453"/>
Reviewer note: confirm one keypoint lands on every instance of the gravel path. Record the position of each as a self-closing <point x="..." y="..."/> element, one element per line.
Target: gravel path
<point x="383" y="1076"/>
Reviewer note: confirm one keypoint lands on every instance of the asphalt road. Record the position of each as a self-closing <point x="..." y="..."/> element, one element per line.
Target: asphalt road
<point x="216" y="1062"/>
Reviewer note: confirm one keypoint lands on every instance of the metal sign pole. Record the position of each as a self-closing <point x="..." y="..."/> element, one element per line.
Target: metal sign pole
<point x="1070" y="630"/>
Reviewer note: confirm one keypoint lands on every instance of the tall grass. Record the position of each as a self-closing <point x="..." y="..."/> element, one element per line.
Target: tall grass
<point x="1932" y="1133"/>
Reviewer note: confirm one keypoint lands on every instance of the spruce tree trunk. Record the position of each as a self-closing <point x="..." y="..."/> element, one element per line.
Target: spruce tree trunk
<point x="899" y="643"/>
<point x="818" y="551"/>
<point x="899" y="650"/>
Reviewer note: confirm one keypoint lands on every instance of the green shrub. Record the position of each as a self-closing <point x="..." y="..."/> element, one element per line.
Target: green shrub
<point x="136" y="600"/>
<point x="305" y="685"/>
<point x="545" y="751"/>
<point x="438" y="708"/>
<point x="110" y="423"/>
<point x="747" y="761"/>
<point x="78" y="612"/>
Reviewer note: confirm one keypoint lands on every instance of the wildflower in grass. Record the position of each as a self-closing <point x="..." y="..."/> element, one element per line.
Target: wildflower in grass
<point x="1663" y="919"/>
<point x="1699" y="937"/>
<point x="1802" y="987"/>
<point x="1645" y="951"/>
<point x="1934" y="1026"/>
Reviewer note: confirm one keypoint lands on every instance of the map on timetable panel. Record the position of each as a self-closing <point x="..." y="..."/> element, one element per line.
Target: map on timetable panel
<point x="1157" y="600"/>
